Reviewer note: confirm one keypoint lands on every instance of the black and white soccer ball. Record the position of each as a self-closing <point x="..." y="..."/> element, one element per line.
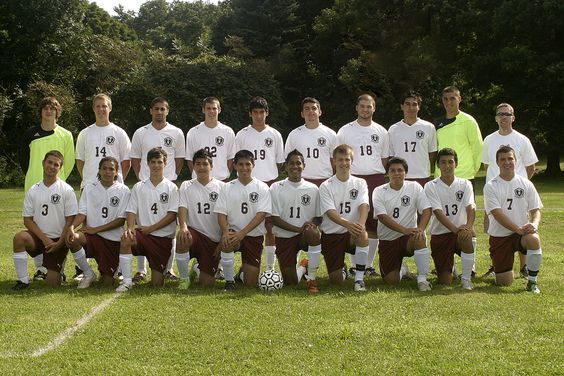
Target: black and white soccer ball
<point x="270" y="280"/>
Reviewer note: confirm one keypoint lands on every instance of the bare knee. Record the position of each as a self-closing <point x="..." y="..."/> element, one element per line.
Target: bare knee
<point x="392" y="278"/>
<point x="504" y="279"/>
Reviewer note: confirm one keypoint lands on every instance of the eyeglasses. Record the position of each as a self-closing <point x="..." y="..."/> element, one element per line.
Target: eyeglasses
<point x="504" y="114"/>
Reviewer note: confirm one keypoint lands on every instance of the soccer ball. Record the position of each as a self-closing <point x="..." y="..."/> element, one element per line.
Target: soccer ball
<point x="270" y="280"/>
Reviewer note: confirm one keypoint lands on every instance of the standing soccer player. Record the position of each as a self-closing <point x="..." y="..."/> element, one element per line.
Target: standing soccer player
<point x="153" y="206"/>
<point x="101" y="212"/>
<point x="296" y="217"/>
<point x="513" y="207"/>
<point x="199" y="233"/>
<point x="452" y="228"/>
<point x="213" y="136"/>
<point x="242" y="207"/>
<point x="397" y="204"/>
<point x="343" y="200"/>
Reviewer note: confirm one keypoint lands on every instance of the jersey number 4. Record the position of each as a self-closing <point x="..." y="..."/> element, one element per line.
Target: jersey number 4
<point x="154" y="208"/>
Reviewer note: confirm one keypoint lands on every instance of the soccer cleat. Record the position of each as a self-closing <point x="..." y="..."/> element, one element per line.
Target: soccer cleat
<point x="124" y="287"/>
<point x="424" y="286"/>
<point x="184" y="284"/>
<point x="20" y="285"/>
<point x="346" y="274"/>
<point x="238" y="275"/>
<point x="524" y="273"/>
<point x="219" y="274"/>
<point x="467" y="285"/>
<point x="359" y="286"/>
<point x="78" y="275"/>
<point x="39" y="275"/>
<point x="169" y="276"/>
<point x="86" y="281"/>
<point x="490" y="273"/>
<point x="351" y="271"/>
<point x="138" y="277"/>
<point x="229" y="286"/>
<point x="370" y="272"/>
<point x="312" y="287"/>
<point x="63" y="277"/>
<point x="532" y="287"/>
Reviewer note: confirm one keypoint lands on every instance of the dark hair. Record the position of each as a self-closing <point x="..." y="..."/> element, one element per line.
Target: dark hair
<point x="159" y="100"/>
<point x="294" y="152"/>
<point x="207" y="100"/>
<point x="203" y="154"/>
<point x="397" y="160"/>
<point x="56" y="154"/>
<point x="244" y="154"/>
<point x="156" y="153"/>
<point x="411" y="94"/>
<point x="505" y="149"/>
<point x="258" y="102"/>
<point x="108" y="159"/>
<point x="311" y="100"/>
<point x="447" y="151"/>
<point x="53" y="103"/>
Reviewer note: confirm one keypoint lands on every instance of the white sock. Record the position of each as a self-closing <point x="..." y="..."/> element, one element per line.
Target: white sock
<point x="80" y="259"/>
<point x="125" y="267"/>
<point x="195" y="268"/>
<point x="20" y="263"/>
<point x="361" y="254"/>
<point x="141" y="268"/>
<point x="314" y="256"/>
<point x="38" y="262"/>
<point x="467" y="263"/>
<point x="372" y="249"/>
<point x="182" y="260"/>
<point x="170" y="261"/>
<point x="534" y="259"/>
<point x="270" y="251"/>
<point x="421" y="258"/>
<point x="474" y="241"/>
<point x="228" y="263"/>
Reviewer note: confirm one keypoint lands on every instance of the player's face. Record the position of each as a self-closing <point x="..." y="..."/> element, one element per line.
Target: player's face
<point x="212" y="110"/>
<point x="451" y="101"/>
<point x="49" y="113"/>
<point x="159" y="112"/>
<point x="244" y="168"/>
<point x="365" y="109"/>
<point x="506" y="162"/>
<point x="157" y="166"/>
<point x="295" y="167"/>
<point x="258" y="115"/>
<point x="396" y="173"/>
<point x="202" y="167"/>
<point x="311" y="112"/>
<point x="505" y="117"/>
<point x="51" y="166"/>
<point x="102" y="108"/>
<point x="410" y="107"/>
<point x="447" y="165"/>
<point x="108" y="173"/>
<point x="343" y="162"/>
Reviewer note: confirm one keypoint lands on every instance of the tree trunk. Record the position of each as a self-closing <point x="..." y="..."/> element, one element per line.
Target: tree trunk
<point x="553" y="163"/>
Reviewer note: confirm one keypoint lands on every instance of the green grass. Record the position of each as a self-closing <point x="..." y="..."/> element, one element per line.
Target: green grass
<point x="204" y="331"/>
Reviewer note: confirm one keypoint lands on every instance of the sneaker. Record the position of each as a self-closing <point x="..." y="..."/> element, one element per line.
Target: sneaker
<point x="407" y="274"/>
<point x="467" y="285"/>
<point x="39" y="275"/>
<point x="138" y="277"/>
<point x="184" y="284"/>
<point x="351" y="271"/>
<point x="63" y="277"/>
<point x="359" y="286"/>
<point x="424" y="286"/>
<point x="532" y="287"/>
<point x="312" y="287"/>
<point x="229" y="286"/>
<point x="490" y="273"/>
<point x="524" y="273"/>
<point x="169" y="276"/>
<point x="20" y="285"/>
<point x="238" y="275"/>
<point x="219" y="274"/>
<point x="346" y="274"/>
<point x="78" y="275"/>
<point x="119" y="276"/>
<point x="86" y="281"/>
<point x="370" y="272"/>
<point x="124" y="287"/>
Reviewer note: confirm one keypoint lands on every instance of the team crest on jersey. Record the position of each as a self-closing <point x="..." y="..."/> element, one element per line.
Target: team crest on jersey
<point x="55" y="199"/>
<point x="353" y="194"/>
<point x="306" y="199"/>
<point x="110" y="140"/>
<point x="459" y="195"/>
<point x="519" y="192"/>
<point x="164" y="197"/>
<point x="213" y="196"/>
<point x="375" y="138"/>
<point x="321" y="141"/>
<point x="268" y="142"/>
<point x="168" y="141"/>
<point x="419" y="135"/>
<point x="219" y="140"/>
<point x="254" y="197"/>
<point x="405" y="200"/>
<point x="114" y="201"/>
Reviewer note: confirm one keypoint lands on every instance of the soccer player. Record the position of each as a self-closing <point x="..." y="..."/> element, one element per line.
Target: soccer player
<point x="153" y="205"/>
<point x="513" y="207"/>
<point x="344" y="204"/>
<point x="217" y="138"/>
<point x="370" y="143"/>
<point x="452" y="228"/>
<point x="267" y="147"/>
<point x="158" y="133"/>
<point x="49" y="208"/>
<point x="402" y="234"/>
<point x="241" y="207"/>
<point x="101" y="212"/>
<point x="296" y="217"/>
<point x="315" y="141"/>
<point x="199" y="233"/>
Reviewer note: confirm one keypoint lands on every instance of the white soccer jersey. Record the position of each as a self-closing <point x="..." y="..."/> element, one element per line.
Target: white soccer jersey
<point x="267" y="147"/>
<point x="103" y="205"/>
<point x="151" y="204"/>
<point x="451" y="200"/>
<point x="49" y="206"/>
<point x="524" y="153"/>
<point x="414" y="143"/>
<point x="240" y="203"/>
<point x="200" y="201"/>
<point x="317" y="146"/>
<point x="402" y="206"/>
<point x="370" y="144"/>
<point x="170" y="138"/>
<point x="345" y="198"/>
<point x="515" y="198"/>
<point x="294" y="203"/>
<point x="219" y="141"/>
<point x="94" y="143"/>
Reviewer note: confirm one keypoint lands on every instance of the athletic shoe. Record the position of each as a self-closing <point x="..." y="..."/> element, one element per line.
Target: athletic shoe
<point x="86" y="281"/>
<point x="229" y="286"/>
<point x="78" y="275"/>
<point x="532" y="287"/>
<point x="184" y="284"/>
<point x="124" y="287"/>
<point x="346" y="274"/>
<point x="351" y="271"/>
<point x="490" y="273"/>
<point x="370" y="272"/>
<point x="312" y="287"/>
<point x="406" y="273"/>
<point x="467" y="285"/>
<point x="138" y="277"/>
<point x="39" y="275"/>
<point x="169" y="276"/>
<point x="523" y="272"/>
<point x="20" y="285"/>
<point x="63" y="277"/>
<point x="424" y="286"/>
<point x="219" y="274"/>
<point x="238" y="275"/>
<point x="359" y="286"/>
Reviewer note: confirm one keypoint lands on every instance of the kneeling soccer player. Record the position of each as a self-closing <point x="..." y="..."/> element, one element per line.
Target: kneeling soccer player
<point x="396" y="205"/>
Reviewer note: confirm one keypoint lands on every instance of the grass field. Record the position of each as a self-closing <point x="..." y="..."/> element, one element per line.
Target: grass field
<point x="490" y="330"/>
